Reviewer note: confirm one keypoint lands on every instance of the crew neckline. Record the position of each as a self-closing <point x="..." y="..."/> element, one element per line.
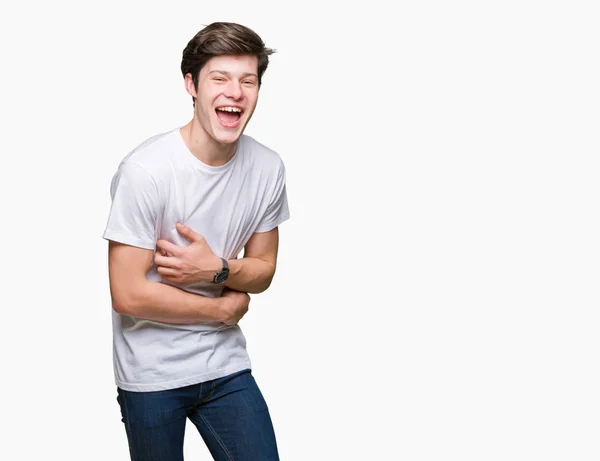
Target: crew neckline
<point x="199" y="163"/>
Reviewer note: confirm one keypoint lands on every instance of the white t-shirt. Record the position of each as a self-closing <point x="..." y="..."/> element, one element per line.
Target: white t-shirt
<point x="157" y="185"/>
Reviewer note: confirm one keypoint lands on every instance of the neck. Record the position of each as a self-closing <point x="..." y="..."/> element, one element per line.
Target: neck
<point x="204" y="147"/>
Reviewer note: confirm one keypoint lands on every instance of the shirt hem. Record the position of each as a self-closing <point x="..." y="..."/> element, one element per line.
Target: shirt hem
<point x="270" y="226"/>
<point x="120" y="238"/>
<point x="152" y="387"/>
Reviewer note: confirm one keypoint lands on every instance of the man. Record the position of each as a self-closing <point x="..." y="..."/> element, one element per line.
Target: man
<point x="184" y="205"/>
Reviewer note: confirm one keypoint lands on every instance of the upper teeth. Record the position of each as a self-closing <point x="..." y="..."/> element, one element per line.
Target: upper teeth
<point x="230" y="109"/>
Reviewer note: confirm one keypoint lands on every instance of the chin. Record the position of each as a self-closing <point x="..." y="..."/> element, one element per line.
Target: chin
<point x="227" y="138"/>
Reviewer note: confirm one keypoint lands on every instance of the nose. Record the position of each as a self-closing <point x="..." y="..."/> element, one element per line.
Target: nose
<point x="234" y="90"/>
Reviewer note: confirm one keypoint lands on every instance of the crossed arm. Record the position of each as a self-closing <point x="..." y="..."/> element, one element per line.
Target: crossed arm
<point x="255" y="271"/>
<point x="196" y="262"/>
<point x="132" y="294"/>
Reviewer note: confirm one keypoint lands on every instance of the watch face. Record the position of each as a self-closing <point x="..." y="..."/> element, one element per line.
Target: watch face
<point x="220" y="277"/>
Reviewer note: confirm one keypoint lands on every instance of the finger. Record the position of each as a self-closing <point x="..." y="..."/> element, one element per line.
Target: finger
<point x="166" y="261"/>
<point x="188" y="232"/>
<point x="167" y="272"/>
<point x="169" y="247"/>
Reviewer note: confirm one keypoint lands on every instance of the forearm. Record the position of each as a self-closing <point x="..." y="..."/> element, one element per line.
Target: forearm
<point x="165" y="303"/>
<point x="250" y="275"/>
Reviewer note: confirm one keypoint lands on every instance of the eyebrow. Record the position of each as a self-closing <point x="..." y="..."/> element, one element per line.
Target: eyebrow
<point x="247" y="74"/>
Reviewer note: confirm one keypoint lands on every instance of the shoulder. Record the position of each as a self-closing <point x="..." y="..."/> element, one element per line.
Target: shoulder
<point x="262" y="155"/>
<point x="151" y="155"/>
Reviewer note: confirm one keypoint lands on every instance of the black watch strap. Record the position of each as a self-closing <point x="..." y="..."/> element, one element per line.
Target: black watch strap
<point x="222" y="275"/>
<point x="225" y="264"/>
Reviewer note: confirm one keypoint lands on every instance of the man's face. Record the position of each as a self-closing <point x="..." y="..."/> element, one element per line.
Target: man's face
<point x="226" y="97"/>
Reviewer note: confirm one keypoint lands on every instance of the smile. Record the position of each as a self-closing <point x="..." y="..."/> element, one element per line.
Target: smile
<point x="229" y="116"/>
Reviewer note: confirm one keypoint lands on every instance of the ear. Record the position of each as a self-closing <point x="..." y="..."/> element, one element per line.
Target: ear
<point x="189" y="85"/>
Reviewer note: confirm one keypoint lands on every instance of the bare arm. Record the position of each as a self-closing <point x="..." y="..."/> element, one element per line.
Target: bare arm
<point x="132" y="294"/>
<point x="197" y="262"/>
<point x="254" y="272"/>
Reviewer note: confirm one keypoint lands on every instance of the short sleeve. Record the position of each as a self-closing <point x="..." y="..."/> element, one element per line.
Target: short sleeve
<point x="277" y="211"/>
<point x="133" y="213"/>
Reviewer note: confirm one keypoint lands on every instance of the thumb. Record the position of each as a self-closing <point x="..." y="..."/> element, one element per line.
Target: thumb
<point x="188" y="232"/>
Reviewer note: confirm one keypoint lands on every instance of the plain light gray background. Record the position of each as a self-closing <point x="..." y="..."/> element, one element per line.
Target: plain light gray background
<point x="437" y="290"/>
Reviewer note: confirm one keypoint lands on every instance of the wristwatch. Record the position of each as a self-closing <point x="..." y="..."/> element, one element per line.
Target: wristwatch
<point x="221" y="275"/>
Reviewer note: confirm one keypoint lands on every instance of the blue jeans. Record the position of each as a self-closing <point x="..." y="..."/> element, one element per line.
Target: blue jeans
<point x="230" y="413"/>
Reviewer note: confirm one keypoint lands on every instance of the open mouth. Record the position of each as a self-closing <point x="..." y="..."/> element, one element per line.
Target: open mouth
<point x="229" y="116"/>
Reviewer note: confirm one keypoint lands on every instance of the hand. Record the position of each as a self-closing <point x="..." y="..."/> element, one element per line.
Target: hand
<point x="187" y="264"/>
<point x="235" y="305"/>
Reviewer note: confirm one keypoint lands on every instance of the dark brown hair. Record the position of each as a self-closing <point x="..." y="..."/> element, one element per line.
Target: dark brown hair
<point x="223" y="38"/>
